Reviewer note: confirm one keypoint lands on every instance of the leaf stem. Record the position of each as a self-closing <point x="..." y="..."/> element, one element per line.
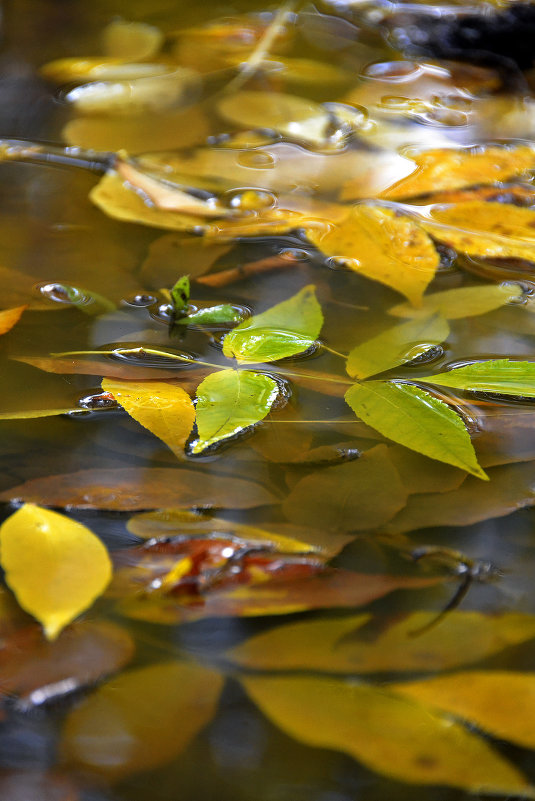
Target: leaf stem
<point x="335" y="352"/>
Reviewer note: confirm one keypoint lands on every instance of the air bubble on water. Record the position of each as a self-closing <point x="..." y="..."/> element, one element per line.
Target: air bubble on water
<point x="141" y="300"/>
<point x="524" y="290"/>
<point x="422" y="354"/>
<point x="163" y="312"/>
<point x="342" y="263"/>
<point x="392" y="71"/>
<point x="256" y="159"/>
<point x="294" y="254"/>
<point x="249" y="199"/>
<point x="62" y="293"/>
<point x="99" y="401"/>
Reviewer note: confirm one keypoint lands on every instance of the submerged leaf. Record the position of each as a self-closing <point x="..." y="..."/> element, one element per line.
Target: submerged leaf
<point x="384" y="246"/>
<point x="414" y="418"/>
<point x="344" y="645"/>
<point x="467" y="301"/>
<point x="142" y="719"/>
<point x="388" y="733"/>
<point x="55" y="566"/>
<point x="131" y="40"/>
<point x="396" y="345"/>
<point x="286" y="329"/>
<point x="230" y="401"/>
<point x="503" y="376"/>
<point x="9" y="318"/>
<point x="165" y="409"/>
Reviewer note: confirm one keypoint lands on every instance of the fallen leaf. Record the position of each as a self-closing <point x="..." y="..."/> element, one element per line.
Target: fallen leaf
<point x="230" y="401"/>
<point x="55" y="566"/>
<point x="131" y="488"/>
<point x="452" y="168"/>
<point x="172" y="255"/>
<point x="99" y="68"/>
<point x="131" y="40"/>
<point x="284" y="330"/>
<point x="414" y="418"/>
<point x="38" y="671"/>
<point x="387" y="247"/>
<point x="510" y="487"/>
<point x="419" y="474"/>
<point x="397" y="345"/>
<point x="10" y="317"/>
<point x="387" y="732"/>
<point x="469" y="301"/>
<point x="500" y="702"/>
<point x="142" y="719"/>
<point x="504" y="376"/>
<point x="344" y="645"/>
<point x="355" y="496"/>
<point x="165" y="409"/>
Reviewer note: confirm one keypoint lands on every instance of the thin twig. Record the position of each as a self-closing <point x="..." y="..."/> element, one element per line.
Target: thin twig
<point x="226" y="277"/>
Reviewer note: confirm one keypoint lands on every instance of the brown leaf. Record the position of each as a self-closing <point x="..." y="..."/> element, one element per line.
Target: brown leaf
<point x="420" y="474"/>
<point x="173" y="255"/>
<point x="10" y="317"/>
<point x="132" y="488"/>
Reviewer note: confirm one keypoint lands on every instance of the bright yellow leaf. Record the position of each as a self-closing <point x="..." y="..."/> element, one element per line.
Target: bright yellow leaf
<point x="165" y="409"/>
<point x="9" y="318"/>
<point x="375" y="242"/>
<point x="55" y="566"/>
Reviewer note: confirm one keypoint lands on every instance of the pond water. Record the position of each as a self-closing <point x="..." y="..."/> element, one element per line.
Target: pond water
<point x="322" y="590"/>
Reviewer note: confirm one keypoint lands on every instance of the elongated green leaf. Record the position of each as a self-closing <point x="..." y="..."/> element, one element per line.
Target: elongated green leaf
<point x="180" y="295"/>
<point x="288" y="328"/>
<point x="387" y="732"/>
<point x="224" y="313"/>
<point x="230" y="401"/>
<point x="498" y="375"/>
<point x="454" y="304"/>
<point x="396" y="345"/>
<point x="416" y="419"/>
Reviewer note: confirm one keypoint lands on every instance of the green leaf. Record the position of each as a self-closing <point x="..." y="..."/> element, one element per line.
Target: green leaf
<point x="230" y="401"/>
<point x="498" y="375"/>
<point x="180" y="295"/>
<point x="396" y="345"/>
<point x="286" y="329"/>
<point x="224" y="313"/>
<point x="388" y="733"/>
<point x="416" y="419"/>
<point x="454" y="304"/>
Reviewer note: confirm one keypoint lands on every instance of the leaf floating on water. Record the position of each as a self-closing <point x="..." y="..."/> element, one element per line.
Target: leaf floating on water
<point x="286" y="329"/>
<point x="456" y="304"/>
<point x="500" y="702"/>
<point x="375" y="242"/>
<point x="131" y="488"/>
<point x="180" y="295"/>
<point x="294" y="117"/>
<point x="10" y="317"/>
<point x="396" y="346"/>
<point x="214" y="315"/>
<point x="442" y="169"/>
<point x="504" y="376"/>
<point x="375" y="727"/>
<point x="142" y="719"/>
<point x="165" y="409"/>
<point x="511" y="487"/>
<point x="230" y="401"/>
<point x="414" y="418"/>
<point x="341" y="645"/>
<point x="55" y="566"/>
<point x="354" y="496"/>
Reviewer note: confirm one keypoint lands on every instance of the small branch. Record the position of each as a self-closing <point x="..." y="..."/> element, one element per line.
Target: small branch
<point x="232" y="276"/>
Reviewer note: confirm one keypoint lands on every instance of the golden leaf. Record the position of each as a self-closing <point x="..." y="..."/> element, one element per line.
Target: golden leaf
<point x="55" y="566"/>
<point x="9" y="318"/>
<point x="165" y="409"/>
<point x="376" y="243"/>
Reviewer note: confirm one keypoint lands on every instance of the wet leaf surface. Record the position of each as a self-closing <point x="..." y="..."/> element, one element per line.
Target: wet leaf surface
<point x="503" y="376"/>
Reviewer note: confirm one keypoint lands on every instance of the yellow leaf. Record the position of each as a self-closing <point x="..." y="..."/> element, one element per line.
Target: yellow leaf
<point x="466" y="301"/>
<point x="449" y="168"/>
<point x="499" y="230"/>
<point x="385" y="731"/>
<point x="165" y="409"/>
<point x="9" y="318"/>
<point x="55" y="566"/>
<point x="375" y="242"/>
<point x="142" y="719"/>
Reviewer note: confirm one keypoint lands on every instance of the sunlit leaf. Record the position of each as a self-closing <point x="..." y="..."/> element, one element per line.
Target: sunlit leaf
<point x="286" y="329"/>
<point x="99" y="68"/>
<point x="375" y="242"/>
<point x="293" y="117"/>
<point x="142" y="719"/>
<point x="131" y="40"/>
<point x="511" y="487"/>
<point x="180" y="295"/>
<point x="55" y="566"/>
<point x="10" y="317"/>
<point x="213" y="315"/>
<point x="396" y="345"/>
<point x="451" y="168"/>
<point x="414" y="418"/>
<point x="354" y="496"/>
<point x="230" y="401"/>
<point x="385" y="731"/>
<point x="38" y="671"/>
<point x="132" y="488"/>
<point x="165" y="409"/>
<point x="488" y="230"/>
<point x="344" y="645"/>
<point x="505" y="376"/>
<point x="466" y="301"/>
<point x="500" y="702"/>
